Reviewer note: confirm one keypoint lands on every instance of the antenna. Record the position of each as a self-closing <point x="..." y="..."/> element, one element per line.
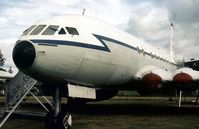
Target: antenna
<point x="83" y="11"/>
<point x="171" y="42"/>
<point x="10" y="70"/>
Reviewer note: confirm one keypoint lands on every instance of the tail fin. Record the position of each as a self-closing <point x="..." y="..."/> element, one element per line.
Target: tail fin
<point x="171" y="42"/>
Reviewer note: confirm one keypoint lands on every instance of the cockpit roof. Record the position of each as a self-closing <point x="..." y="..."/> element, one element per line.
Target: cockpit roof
<point x="69" y="20"/>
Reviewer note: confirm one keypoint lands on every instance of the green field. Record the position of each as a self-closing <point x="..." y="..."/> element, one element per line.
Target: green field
<point x="121" y="113"/>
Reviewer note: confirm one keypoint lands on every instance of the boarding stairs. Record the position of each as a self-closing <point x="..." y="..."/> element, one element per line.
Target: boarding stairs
<point x="16" y="91"/>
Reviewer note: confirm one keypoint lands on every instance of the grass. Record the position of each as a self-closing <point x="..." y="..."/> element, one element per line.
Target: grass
<point x="122" y="113"/>
<point x="138" y="122"/>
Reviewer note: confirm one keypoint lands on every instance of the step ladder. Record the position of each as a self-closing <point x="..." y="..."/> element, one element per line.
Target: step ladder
<point x="16" y="90"/>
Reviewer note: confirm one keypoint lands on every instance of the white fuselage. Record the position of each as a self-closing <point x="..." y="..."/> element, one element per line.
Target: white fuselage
<point x="99" y="55"/>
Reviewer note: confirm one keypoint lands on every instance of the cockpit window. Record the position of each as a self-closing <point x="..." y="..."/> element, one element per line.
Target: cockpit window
<point x="72" y="30"/>
<point x="38" y="29"/>
<point x="62" y="31"/>
<point x="28" y="30"/>
<point x="50" y="30"/>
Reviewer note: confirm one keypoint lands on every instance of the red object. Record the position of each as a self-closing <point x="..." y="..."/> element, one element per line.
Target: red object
<point x="182" y="78"/>
<point x="152" y="80"/>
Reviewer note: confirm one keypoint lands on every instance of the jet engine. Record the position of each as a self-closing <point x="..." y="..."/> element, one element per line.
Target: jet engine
<point x="186" y="79"/>
<point x="152" y="80"/>
<point x="185" y="75"/>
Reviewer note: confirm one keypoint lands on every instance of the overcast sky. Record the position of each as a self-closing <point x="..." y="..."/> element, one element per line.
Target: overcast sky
<point x="146" y="19"/>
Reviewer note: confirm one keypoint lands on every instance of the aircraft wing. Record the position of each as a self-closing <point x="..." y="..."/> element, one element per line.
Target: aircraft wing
<point x="153" y="78"/>
<point x="152" y="73"/>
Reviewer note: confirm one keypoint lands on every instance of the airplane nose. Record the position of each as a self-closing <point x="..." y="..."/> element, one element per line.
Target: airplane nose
<point x="23" y="54"/>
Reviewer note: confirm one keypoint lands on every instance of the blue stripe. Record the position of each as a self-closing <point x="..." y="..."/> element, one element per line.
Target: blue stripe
<point x="70" y="43"/>
<point x="101" y="38"/>
<point x="85" y="45"/>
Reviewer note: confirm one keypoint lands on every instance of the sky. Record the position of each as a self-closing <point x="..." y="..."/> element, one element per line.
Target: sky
<point x="148" y="20"/>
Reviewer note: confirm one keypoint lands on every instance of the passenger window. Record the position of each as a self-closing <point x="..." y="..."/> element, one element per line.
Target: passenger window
<point x="72" y="30"/>
<point x="38" y="29"/>
<point x="50" y="30"/>
<point x="151" y="54"/>
<point x="155" y="56"/>
<point x="138" y="50"/>
<point x="62" y="31"/>
<point x="28" y="30"/>
<point x="143" y="52"/>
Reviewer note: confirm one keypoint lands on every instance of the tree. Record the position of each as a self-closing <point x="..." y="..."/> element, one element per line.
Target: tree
<point x="2" y="59"/>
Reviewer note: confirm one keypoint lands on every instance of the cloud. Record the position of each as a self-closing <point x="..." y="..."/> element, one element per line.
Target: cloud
<point x="183" y="11"/>
<point x="150" y="21"/>
<point x="185" y="15"/>
<point x="150" y="24"/>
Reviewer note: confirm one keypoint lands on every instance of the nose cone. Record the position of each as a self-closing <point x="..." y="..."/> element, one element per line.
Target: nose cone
<point x="23" y="54"/>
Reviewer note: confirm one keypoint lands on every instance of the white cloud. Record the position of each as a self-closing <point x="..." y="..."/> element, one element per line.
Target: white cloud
<point x="150" y="23"/>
